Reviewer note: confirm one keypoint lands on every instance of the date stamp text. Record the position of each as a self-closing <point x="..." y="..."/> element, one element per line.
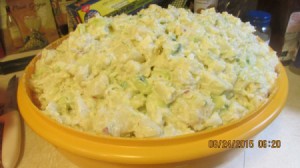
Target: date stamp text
<point x="230" y="144"/>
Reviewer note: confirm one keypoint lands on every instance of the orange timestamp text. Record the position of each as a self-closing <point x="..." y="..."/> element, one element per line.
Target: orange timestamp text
<point x="230" y="144"/>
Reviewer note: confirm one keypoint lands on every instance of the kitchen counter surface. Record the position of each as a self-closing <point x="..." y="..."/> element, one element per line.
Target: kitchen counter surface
<point x="36" y="152"/>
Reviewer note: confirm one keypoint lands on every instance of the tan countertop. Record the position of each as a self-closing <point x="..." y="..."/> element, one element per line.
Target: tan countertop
<point x="36" y="152"/>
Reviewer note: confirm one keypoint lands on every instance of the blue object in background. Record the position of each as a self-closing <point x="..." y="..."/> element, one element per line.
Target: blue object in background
<point x="261" y="21"/>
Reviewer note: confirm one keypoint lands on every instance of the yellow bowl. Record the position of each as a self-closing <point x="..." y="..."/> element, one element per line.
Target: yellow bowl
<point x="88" y="150"/>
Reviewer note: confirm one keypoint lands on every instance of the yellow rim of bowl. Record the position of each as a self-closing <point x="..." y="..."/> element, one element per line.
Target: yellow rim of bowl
<point x="150" y="150"/>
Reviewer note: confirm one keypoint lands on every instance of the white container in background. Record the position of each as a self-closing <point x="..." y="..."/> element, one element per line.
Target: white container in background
<point x="204" y="4"/>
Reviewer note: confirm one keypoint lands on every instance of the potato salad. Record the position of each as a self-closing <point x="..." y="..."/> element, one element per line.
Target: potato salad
<point x="159" y="73"/>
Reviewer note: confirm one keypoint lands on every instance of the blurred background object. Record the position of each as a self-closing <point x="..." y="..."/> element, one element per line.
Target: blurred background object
<point x="204" y="4"/>
<point x="238" y="8"/>
<point x="297" y="60"/>
<point x="295" y="66"/>
<point x="285" y="26"/>
<point x="261" y="21"/>
<point x="2" y="53"/>
<point x="23" y="19"/>
<point x="59" y="8"/>
<point x="179" y="3"/>
<point x="13" y="29"/>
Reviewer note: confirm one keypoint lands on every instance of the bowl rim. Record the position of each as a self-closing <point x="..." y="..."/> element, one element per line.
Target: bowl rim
<point x="148" y="150"/>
